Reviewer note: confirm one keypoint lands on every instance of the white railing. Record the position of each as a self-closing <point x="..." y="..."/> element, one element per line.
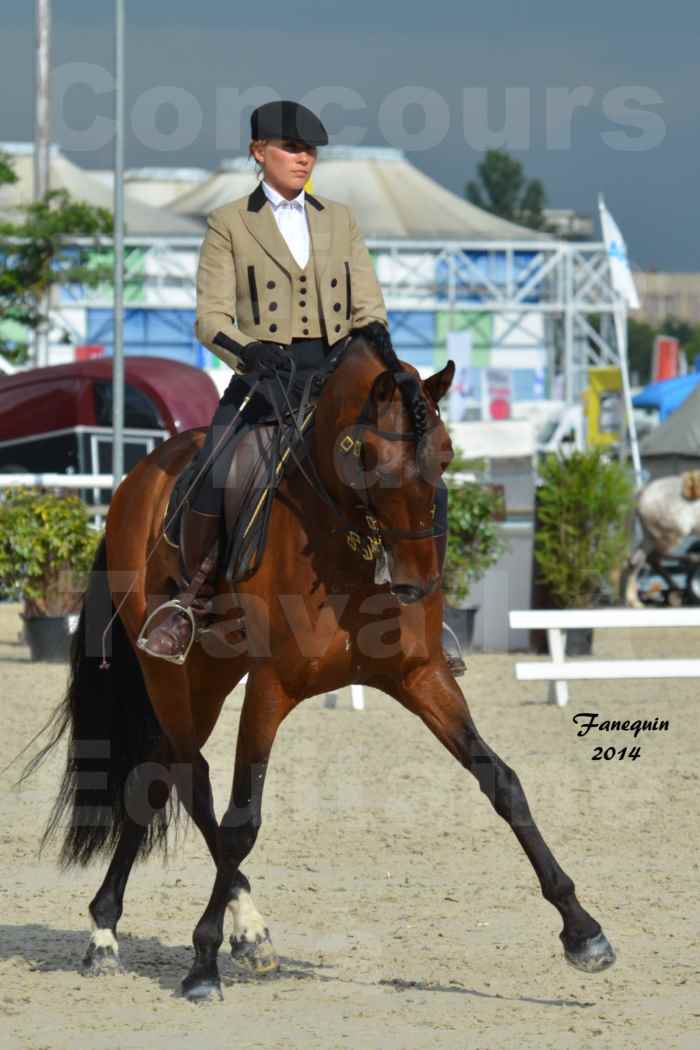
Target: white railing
<point x="65" y="481"/>
<point x="558" y="671"/>
<point x="59" y="481"/>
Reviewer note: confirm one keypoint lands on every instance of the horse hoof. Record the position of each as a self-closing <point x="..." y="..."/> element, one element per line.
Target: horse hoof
<point x="200" y="988"/>
<point x="100" y="962"/>
<point x="592" y="956"/>
<point x="256" y="957"/>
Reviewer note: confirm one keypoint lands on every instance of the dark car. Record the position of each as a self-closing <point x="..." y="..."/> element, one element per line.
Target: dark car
<point x="59" y="419"/>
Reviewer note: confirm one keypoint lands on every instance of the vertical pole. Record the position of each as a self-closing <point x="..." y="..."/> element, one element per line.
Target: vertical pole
<point x="569" y="388"/>
<point x="41" y="87"/>
<point x="42" y="134"/>
<point x="451" y="297"/>
<point x="118" y="354"/>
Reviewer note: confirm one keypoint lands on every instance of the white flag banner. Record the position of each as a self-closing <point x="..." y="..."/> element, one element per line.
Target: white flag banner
<point x="621" y="277"/>
<point x="620" y="272"/>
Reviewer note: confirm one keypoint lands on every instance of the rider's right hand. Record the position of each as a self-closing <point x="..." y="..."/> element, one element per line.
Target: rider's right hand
<point x="264" y="358"/>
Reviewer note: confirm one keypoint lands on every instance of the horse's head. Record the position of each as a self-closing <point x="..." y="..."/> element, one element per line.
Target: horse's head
<point x="391" y="448"/>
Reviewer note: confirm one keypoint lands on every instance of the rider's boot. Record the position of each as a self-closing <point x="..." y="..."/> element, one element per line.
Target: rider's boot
<point x="171" y="638"/>
<point x="451" y="649"/>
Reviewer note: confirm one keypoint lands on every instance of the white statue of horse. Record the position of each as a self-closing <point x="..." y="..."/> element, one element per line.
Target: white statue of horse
<point x="669" y="510"/>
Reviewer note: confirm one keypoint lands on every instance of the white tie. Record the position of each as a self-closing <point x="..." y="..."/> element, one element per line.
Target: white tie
<point x="291" y="221"/>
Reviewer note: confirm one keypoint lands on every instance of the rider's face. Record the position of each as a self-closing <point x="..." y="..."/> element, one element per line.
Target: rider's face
<point x="287" y="163"/>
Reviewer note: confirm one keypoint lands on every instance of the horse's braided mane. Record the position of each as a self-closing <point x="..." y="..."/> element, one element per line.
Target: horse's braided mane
<point x="378" y="339"/>
<point x="409" y="387"/>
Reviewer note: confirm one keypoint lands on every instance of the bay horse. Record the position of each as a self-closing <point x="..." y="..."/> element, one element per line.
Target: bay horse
<point x="316" y="620"/>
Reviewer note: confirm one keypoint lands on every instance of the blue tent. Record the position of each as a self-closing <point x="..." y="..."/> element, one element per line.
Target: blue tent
<point x="667" y="395"/>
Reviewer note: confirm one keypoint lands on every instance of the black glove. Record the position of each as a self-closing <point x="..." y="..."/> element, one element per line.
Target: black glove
<point x="265" y="358"/>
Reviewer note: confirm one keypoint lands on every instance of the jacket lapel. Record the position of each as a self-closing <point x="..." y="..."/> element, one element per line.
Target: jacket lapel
<point x="321" y="231"/>
<point x="260" y="222"/>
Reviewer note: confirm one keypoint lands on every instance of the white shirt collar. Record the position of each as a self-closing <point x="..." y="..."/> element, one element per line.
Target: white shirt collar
<point x="276" y="198"/>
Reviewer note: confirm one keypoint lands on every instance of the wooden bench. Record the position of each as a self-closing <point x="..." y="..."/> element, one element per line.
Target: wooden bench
<point x="558" y="671"/>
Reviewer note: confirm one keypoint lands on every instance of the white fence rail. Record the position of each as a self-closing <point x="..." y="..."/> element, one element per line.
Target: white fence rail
<point x="558" y="671"/>
<point x="96" y="482"/>
<point x="59" y="481"/>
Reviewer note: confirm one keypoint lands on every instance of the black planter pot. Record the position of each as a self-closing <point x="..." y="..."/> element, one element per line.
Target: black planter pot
<point x="579" y="641"/>
<point x="461" y="620"/>
<point x="48" y="638"/>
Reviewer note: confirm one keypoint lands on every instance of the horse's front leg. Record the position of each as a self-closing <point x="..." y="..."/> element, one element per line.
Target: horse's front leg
<point x="432" y="693"/>
<point x="266" y="704"/>
<point x="629" y="578"/>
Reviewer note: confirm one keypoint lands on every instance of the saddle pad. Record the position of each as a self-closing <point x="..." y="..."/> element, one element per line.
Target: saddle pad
<point x="263" y="454"/>
<point x="260" y="462"/>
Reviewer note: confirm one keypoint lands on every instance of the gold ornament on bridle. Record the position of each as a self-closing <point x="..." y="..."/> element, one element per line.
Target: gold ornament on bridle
<point x="367" y="546"/>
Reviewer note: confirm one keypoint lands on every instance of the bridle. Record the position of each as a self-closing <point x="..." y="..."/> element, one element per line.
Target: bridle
<point x="355" y="446"/>
<point x="369" y="545"/>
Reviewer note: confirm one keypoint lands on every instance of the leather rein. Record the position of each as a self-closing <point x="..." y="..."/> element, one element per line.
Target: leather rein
<point x="349" y="444"/>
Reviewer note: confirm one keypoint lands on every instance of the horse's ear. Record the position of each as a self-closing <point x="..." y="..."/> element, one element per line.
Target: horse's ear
<point x="383" y="388"/>
<point x="438" y="385"/>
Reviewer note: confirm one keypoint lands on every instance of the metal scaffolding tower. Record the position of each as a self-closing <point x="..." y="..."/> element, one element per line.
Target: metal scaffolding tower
<point x="565" y="285"/>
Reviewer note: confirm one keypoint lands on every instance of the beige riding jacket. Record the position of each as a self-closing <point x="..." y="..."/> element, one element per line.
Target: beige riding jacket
<point x="250" y="287"/>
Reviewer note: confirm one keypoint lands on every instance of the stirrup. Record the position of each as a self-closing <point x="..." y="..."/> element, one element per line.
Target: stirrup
<point x="455" y="660"/>
<point x="178" y="658"/>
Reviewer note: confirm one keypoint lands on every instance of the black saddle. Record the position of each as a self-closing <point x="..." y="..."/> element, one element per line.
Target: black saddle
<point x="263" y="453"/>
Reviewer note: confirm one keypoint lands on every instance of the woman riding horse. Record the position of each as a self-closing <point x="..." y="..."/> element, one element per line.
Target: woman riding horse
<point x="283" y="275"/>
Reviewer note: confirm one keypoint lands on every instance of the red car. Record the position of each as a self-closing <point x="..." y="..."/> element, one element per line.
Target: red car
<point x="60" y="418"/>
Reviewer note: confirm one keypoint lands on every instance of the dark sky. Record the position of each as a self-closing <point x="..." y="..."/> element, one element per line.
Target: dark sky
<point x="635" y="66"/>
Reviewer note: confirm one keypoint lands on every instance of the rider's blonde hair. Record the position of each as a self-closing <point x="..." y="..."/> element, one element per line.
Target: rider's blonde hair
<point x="259" y="169"/>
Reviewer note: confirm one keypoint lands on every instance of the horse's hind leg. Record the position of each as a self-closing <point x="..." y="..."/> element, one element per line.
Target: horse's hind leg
<point x="102" y="956"/>
<point x="106" y="907"/>
<point x="434" y="696"/>
<point x="265" y="706"/>
<point x="141" y="804"/>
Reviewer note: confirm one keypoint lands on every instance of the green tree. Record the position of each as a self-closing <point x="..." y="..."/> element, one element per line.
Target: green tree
<point x="503" y="189"/>
<point x="640" y="348"/>
<point x="692" y="347"/>
<point x="7" y="172"/>
<point x="473" y="541"/>
<point x="36" y="253"/>
<point x="680" y="330"/>
<point x="47" y="545"/>
<point x="585" y="506"/>
<point x="688" y="336"/>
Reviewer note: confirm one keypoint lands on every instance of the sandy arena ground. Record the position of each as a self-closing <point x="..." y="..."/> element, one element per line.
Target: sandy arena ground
<point x="404" y="911"/>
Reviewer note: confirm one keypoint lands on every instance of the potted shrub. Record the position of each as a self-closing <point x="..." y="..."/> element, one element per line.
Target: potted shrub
<point x="473" y="544"/>
<point x="585" y="506"/>
<point x="46" y="546"/>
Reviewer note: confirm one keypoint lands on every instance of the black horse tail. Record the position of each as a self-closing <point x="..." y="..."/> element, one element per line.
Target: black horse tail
<point x="112" y="731"/>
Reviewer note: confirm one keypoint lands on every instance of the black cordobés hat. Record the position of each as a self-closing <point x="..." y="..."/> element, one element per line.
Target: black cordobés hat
<point x="287" y="120"/>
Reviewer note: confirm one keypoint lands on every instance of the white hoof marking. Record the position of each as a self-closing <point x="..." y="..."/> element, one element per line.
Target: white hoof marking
<point x="104" y="939"/>
<point x="248" y="923"/>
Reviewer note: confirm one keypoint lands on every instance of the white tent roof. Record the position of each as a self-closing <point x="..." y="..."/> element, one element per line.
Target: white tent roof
<point x="140" y="218"/>
<point x="160" y="186"/>
<point x="389" y="196"/>
<point x="235" y="178"/>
